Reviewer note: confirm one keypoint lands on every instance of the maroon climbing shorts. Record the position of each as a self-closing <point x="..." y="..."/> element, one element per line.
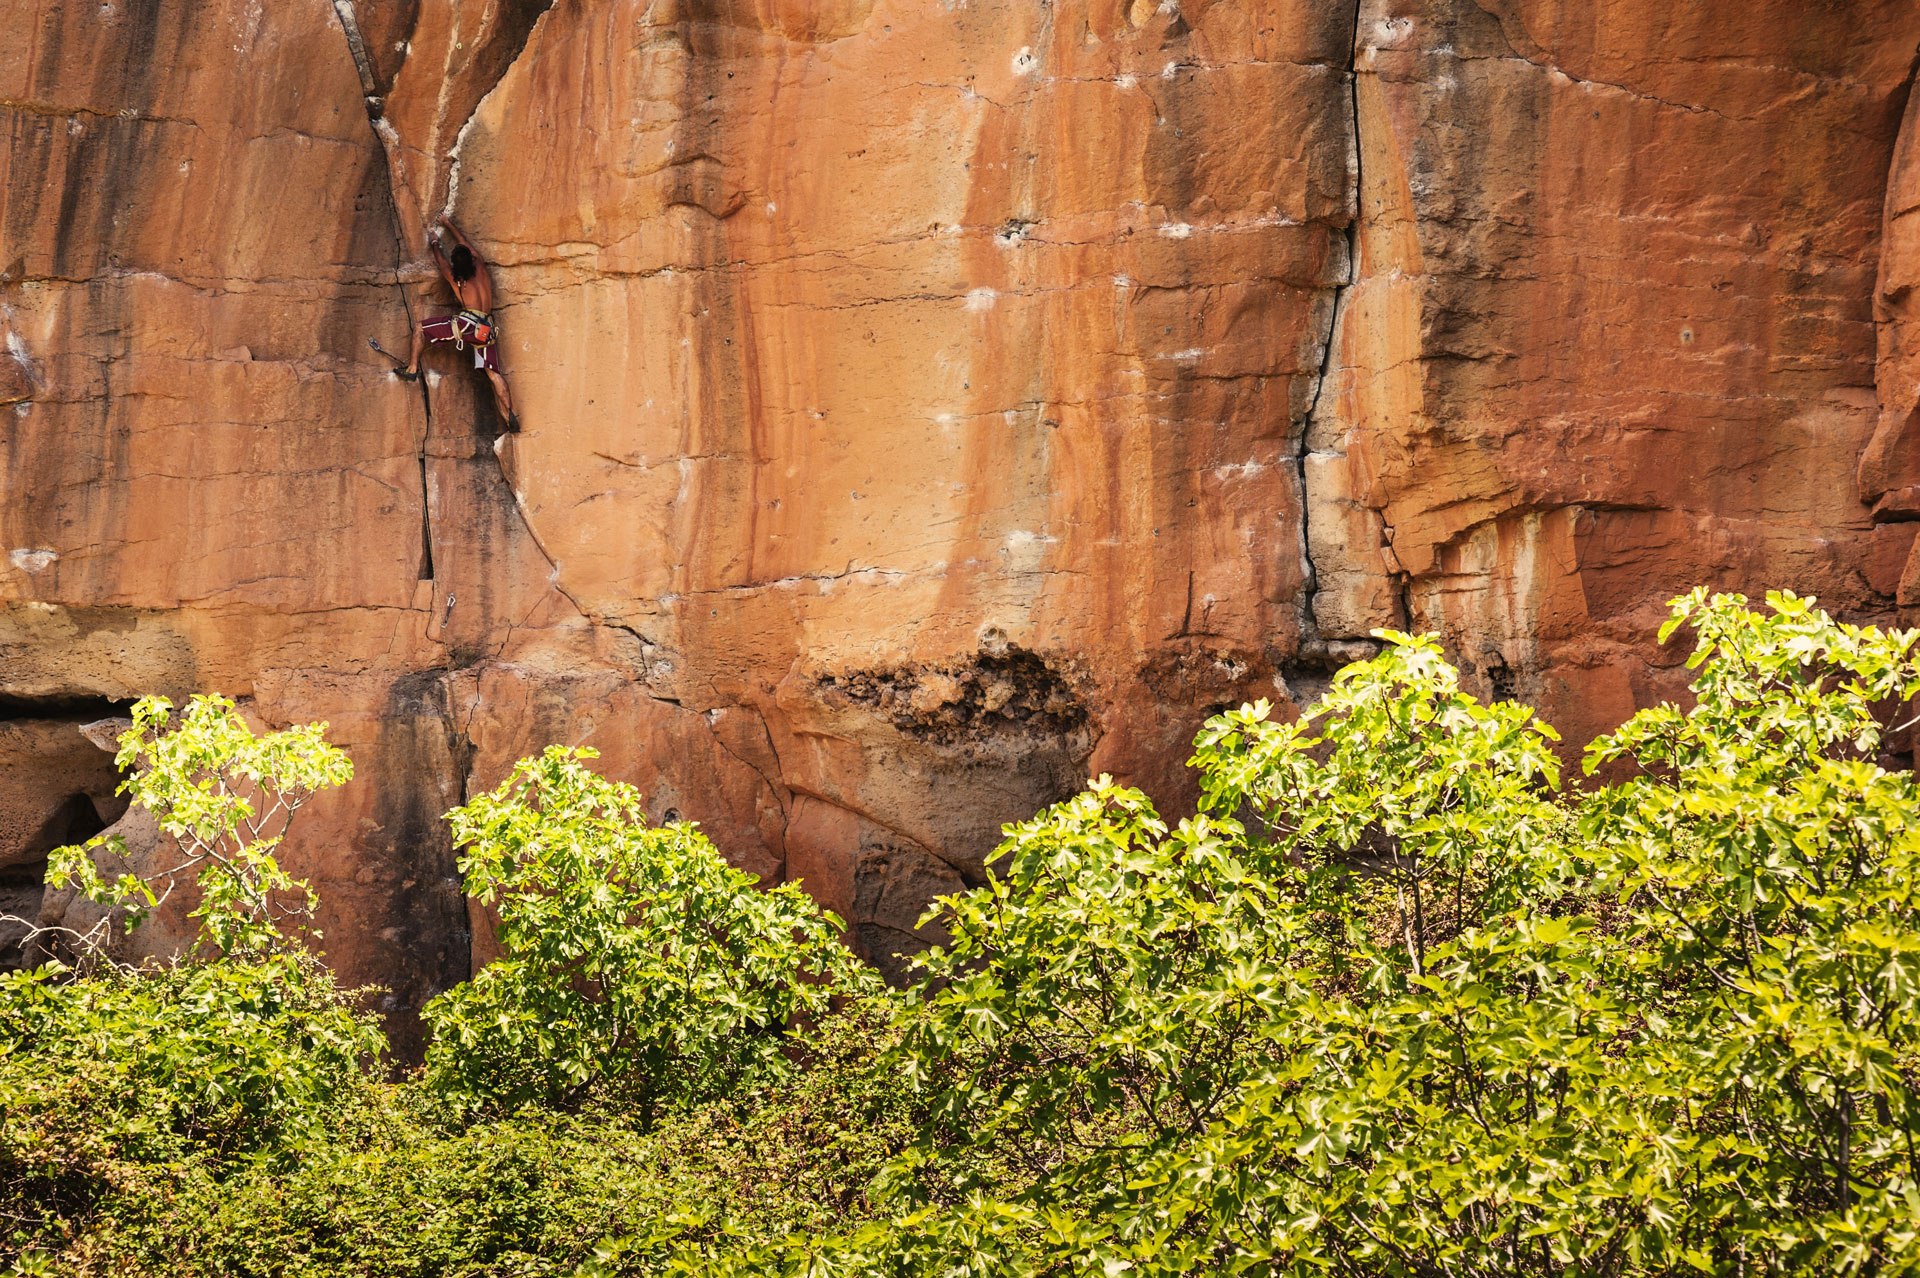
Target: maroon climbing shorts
<point x="458" y="329"/>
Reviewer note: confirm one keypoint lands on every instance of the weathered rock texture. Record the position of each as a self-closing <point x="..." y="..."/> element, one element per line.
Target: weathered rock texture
<point x="1612" y="327"/>
<point x="927" y="403"/>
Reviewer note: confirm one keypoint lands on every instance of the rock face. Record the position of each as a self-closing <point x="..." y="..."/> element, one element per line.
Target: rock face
<point x="926" y="404"/>
<point x="1612" y="330"/>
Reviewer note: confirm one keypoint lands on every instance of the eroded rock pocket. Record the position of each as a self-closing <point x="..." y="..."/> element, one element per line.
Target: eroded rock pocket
<point x="1010" y="690"/>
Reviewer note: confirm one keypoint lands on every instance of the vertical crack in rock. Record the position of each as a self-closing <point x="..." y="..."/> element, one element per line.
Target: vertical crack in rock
<point x="502" y="48"/>
<point x="1309" y="624"/>
<point x="370" y="95"/>
<point x="511" y="36"/>
<point x="423" y="744"/>
<point x="357" y="48"/>
<point x="515" y="35"/>
<point x="426" y="500"/>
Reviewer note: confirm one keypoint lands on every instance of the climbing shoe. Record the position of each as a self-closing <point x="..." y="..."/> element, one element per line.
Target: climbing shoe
<point x="405" y="376"/>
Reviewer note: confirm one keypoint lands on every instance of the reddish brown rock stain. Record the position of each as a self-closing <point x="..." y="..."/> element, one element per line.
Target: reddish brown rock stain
<point x="874" y="346"/>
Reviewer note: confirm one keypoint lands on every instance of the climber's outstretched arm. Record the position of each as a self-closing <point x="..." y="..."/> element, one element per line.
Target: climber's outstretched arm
<point x="466" y="243"/>
<point x="441" y="263"/>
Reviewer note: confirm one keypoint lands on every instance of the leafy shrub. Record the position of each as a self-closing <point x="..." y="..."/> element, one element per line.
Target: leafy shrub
<point x="1774" y="875"/>
<point x="638" y="962"/>
<point x="213" y="1065"/>
<point x="526" y="1194"/>
<point x="405" y="1187"/>
<point x="224" y="798"/>
<point x="242" y="1053"/>
<point x="1382" y="1008"/>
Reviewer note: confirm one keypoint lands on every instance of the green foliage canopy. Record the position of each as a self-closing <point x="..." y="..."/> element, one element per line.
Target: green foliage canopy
<point x="1389" y="1006"/>
<point x="224" y="798"/>
<point x="635" y="958"/>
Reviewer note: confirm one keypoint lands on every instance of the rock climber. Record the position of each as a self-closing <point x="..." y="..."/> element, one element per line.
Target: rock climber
<point x="465" y="271"/>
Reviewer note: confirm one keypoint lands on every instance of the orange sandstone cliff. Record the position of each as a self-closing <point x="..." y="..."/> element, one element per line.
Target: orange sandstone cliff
<point x="927" y="403"/>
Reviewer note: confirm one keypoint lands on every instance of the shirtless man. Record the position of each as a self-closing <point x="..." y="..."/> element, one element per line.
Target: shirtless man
<point x="466" y="272"/>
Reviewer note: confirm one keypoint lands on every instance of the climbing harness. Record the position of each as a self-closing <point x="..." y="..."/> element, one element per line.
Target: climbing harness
<point x="472" y="326"/>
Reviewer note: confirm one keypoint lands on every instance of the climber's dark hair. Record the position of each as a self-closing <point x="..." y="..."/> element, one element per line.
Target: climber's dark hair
<point x="461" y="260"/>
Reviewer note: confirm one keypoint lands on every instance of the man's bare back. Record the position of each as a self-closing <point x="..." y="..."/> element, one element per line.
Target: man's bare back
<point x="475" y="294"/>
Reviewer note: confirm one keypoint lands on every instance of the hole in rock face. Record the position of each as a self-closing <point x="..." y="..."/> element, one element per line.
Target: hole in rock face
<point x="21" y="887"/>
<point x="23" y="879"/>
<point x="57" y="786"/>
<point x="78" y="819"/>
<point x="1502" y="679"/>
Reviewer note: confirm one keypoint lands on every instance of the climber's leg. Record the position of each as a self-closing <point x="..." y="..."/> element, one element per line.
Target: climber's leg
<point x="412" y="369"/>
<point x="487" y="359"/>
<point x="503" y="400"/>
<point x="437" y="329"/>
